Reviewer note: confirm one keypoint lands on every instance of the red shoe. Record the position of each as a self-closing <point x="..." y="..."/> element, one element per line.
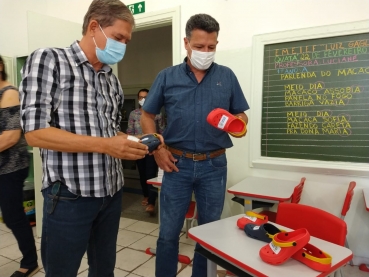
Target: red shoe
<point x="253" y="218"/>
<point x="313" y="257"/>
<point x="364" y="267"/>
<point x="225" y="121"/>
<point x="264" y="232"/>
<point x="283" y="246"/>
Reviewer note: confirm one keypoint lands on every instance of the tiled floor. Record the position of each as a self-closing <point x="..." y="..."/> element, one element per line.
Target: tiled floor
<point x="132" y="261"/>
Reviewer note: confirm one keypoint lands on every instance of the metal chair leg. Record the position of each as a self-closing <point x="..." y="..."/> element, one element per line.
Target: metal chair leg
<point x="187" y="227"/>
<point x="336" y="273"/>
<point x="193" y="222"/>
<point x="347" y="246"/>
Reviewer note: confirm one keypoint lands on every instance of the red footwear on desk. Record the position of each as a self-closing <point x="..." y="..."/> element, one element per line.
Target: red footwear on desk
<point x="251" y="217"/>
<point x="313" y="257"/>
<point x="283" y="246"/>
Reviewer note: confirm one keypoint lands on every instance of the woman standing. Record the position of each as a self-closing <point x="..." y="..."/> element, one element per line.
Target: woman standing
<point x="14" y="165"/>
<point x="147" y="167"/>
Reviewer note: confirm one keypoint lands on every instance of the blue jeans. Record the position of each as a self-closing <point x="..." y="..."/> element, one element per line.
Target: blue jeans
<point x="11" y="204"/>
<point x="73" y="224"/>
<point x="208" y="180"/>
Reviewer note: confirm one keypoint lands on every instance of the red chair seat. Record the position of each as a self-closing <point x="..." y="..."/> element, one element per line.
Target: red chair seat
<point x="191" y="210"/>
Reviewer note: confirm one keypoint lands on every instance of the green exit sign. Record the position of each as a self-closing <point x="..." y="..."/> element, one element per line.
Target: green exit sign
<point x="137" y="8"/>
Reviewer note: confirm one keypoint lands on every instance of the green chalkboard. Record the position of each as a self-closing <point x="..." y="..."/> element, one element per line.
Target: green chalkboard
<point x="316" y="99"/>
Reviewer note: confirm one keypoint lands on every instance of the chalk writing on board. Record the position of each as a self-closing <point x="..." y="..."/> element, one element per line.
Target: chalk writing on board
<point x="316" y="99"/>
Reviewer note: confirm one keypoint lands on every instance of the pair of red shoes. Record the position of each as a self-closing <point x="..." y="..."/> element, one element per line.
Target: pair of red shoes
<point x="295" y="245"/>
<point x="286" y="245"/>
<point x="225" y="121"/>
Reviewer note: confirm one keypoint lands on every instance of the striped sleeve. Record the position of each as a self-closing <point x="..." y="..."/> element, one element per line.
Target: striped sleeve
<point x="120" y="104"/>
<point x="38" y="85"/>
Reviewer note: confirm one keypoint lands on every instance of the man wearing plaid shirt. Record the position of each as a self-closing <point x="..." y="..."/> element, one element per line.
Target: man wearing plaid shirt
<point x="70" y="109"/>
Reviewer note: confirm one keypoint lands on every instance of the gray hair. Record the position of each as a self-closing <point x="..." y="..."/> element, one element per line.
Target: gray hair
<point x="201" y="22"/>
<point x="106" y="12"/>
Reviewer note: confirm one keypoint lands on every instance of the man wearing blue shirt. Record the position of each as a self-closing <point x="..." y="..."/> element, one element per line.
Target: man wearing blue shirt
<point x="194" y="157"/>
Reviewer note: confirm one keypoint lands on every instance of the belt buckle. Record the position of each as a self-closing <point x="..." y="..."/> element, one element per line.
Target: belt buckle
<point x="194" y="155"/>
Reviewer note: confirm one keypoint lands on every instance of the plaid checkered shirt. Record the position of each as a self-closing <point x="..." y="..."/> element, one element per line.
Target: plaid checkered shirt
<point x="61" y="89"/>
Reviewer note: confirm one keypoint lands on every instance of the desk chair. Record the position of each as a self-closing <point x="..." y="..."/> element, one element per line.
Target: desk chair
<point x="346" y="206"/>
<point x="191" y="216"/>
<point x="295" y="198"/>
<point x="319" y="223"/>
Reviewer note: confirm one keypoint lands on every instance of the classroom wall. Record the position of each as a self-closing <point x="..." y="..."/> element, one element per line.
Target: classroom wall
<point x="239" y="21"/>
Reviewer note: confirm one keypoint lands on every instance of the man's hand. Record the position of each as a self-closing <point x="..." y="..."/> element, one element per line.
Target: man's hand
<point x="165" y="160"/>
<point x="161" y="145"/>
<point x="160" y="137"/>
<point x="122" y="148"/>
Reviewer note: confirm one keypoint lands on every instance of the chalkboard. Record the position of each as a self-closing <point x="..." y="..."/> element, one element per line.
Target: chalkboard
<point x="315" y="99"/>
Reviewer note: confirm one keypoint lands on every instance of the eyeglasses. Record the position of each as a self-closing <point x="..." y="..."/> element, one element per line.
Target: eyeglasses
<point x="141" y="97"/>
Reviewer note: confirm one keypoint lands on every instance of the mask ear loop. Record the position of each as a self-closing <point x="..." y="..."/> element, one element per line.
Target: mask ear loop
<point x="104" y="36"/>
<point x="190" y="48"/>
<point x="103" y="31"/>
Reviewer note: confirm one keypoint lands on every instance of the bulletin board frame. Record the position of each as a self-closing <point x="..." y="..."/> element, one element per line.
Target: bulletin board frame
<point x="255" y="125"/>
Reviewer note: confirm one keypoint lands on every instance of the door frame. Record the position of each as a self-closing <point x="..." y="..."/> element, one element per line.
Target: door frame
<point x="162" y="18"/>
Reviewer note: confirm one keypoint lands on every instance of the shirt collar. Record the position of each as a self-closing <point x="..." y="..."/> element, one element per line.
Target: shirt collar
<point x="80" y="57"/>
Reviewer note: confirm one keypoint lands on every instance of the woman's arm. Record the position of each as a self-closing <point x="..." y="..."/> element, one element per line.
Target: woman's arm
<point x="131" y="124"/>
<point x="9" y="137"/>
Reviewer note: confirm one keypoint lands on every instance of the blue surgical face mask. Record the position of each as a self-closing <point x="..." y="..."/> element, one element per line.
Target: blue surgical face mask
<point x="114" y="50"/>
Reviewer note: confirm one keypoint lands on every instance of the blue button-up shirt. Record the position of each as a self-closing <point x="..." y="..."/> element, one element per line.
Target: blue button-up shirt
<point x="187" y="104"/>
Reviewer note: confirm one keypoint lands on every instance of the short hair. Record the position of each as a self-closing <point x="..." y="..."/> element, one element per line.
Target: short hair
<point x="144" y="89"/>
<point x="106" y="12"/>
<point x="3" y="74"/>
<point x="201" y="22"/>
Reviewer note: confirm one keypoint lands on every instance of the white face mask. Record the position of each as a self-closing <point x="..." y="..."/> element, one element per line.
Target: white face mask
<point x="141" y="102"/>
<point x="201" y="60"/>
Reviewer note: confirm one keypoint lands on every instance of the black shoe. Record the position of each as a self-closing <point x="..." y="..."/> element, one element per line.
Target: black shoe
<point x="29" y="273"/>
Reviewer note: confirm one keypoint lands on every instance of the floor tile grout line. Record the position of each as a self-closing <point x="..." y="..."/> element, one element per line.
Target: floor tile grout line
<point x="139" y="232"/>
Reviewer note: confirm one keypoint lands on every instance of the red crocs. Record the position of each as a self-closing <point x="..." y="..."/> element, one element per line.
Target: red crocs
<point x="253" y="218"/>
<point x="364" y="267"/>
<point x="313" y="257"/>
<point x="225" y="121"/>
<point x="283" y="246"/>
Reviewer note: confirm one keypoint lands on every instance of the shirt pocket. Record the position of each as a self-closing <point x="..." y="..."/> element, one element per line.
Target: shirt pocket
<point x="75" y="107"/>
<point x="220" y="98"/>
<point x="221" y="95"/>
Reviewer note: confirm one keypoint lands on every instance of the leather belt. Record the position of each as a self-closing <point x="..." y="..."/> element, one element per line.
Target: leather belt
<point x="195" y="156"/>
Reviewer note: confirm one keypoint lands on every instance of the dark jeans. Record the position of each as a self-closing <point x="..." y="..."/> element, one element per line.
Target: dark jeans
<point x="73" y="224"/>
<point x="208" y="180"/>
<point x="11" y="205"/>
<point x="147" y="168"/>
